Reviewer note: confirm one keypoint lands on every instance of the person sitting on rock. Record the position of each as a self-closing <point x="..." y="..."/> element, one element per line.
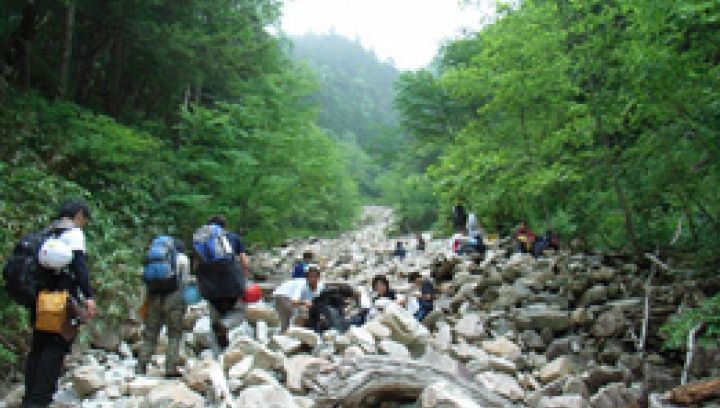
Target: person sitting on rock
<point x="422" y="293"/>
<point x="297" y="293"/>
<point x="382" y="295"/>
<point x="400" y="251"/>
<point x="524" y="239"/>
<point x="549" y="240"/>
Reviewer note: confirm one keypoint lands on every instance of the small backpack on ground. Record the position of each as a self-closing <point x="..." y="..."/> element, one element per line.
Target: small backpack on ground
<point x="23" y="274"/>
<point x="219" y="275"/>
<point x="160" y="273"/>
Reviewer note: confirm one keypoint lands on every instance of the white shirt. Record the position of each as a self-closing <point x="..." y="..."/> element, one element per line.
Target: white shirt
<point x="74" y="238"/>
<point x="298" y="289"/>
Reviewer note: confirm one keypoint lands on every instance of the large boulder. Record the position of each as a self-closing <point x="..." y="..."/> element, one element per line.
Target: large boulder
<point x="173" y="395"/>
<point x="540" y="316"/>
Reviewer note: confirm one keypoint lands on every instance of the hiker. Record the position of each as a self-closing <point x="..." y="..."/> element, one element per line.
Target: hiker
<point x="420" y="242"/>
<point x="549" y="240"/>
<point x="301" y="267"/>
<point x="166" y="307"/>
<point x="524" y="239"/>
<point x="420" y="298"/>
<point x="399" y="251"/>
<point x="297" y="293"/>
<point x="381" y="296"/>
<point x="222" y="267"/>
<point x="47" y="353"/>
<point x="459" y="216"/>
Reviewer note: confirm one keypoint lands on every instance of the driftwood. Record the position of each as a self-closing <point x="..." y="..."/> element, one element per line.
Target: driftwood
<point x="348" y="382"/>
<point x="695" y="393"/>
<point x="690" y="350"/>
<point x="222" y="392"/>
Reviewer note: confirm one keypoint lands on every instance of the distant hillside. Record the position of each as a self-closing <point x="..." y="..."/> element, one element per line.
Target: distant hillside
<point x="356" y="91"/>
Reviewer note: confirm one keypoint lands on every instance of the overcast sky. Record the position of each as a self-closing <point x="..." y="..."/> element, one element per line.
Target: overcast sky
<point x="408" y="31"/>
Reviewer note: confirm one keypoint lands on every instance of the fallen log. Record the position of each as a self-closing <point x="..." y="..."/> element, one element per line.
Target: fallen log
<point x="348" y="382"/>
<point x="694" y="393"/>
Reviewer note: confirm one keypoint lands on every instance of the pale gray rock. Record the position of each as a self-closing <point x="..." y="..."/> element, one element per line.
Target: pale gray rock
<point x="87" y="380"/>
<point x="445" y="394"/>
<point x="287" y="345"/>
<point x="174" y="395"/>
<point x="501" y="347"/>
<point x="306" y="336"/>
<point x="141" y="386"/>
<point x="377" y="329"/>
<point x="295" y="368"/>
<point x="502" y="384"/>
<point x="595" y="295"/>
<point x="393" y="349"/>
<point x="563" y="401"/>
<point x="615" y="396"/>
<point x="610" y="323"/>
<point x="471" y="326"/>
<point x="265" y="396"/>
<point x="555" y="369"/>
<point x="540" y="316"/>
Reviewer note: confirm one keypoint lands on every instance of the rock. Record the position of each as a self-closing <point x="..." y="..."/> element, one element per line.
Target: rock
<point x="611" y="323"/>
<point x="541" y="316"/>
<point x="445" y="395"/>
<point x="202" y="333"/>
<point x="595" y="295"/>
<point x="198" y="377"/>
<point x="562" y="347"/>
<point x="466" y="352"/>
<point x="174" y="395"/>
<point x="393" y="349"/>
<point x="377" y="329"/>
<point x="555" y="369"/>
<point x="615" y="396"/>
<point x="241" y="368"/>
<point x="294" y="369"/>
<point x="258" y="376"/>
<point x="363" y="337"/>
<point x="354" y="351"/>
<point x="471" y="327"/>
<point x="304" y="402"/>
<point x="259" y="311"/>
<point x="599" y="376"/>
<point x="261" y="332"/>
<point x="575" y="386"/>
<point x="579" y="316"/>
<point x="502" y="384"/>
<point x="306" y="336"/>
<point x="501" y="347"/>
<point x="531" y="340"/>
<point x="141" y="386"/>
<point x="87" y="380"/>
<point x="287" y="345"/>
<point x="106" y="338"/>
<point x="405" y="328"/>
<point x="245" y="346"/>
<point x="265" y="396"/>
<point x="563" y="401"/>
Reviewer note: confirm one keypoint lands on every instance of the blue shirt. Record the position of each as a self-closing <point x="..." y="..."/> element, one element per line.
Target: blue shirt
<point x="299" y="271"/>
<point x="236" y="243"/>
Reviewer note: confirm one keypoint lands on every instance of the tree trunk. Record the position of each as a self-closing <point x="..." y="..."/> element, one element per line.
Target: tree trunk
<point x="19" y="45"/>
<point x="67" y="51"/>
<point x="610" y="168"/>
<point x="349" y="382"/>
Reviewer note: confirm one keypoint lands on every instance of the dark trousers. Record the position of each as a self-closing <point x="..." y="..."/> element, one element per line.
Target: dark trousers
<point x="43" y="367"/>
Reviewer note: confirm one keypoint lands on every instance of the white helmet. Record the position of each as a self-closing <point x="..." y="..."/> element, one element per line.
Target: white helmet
<point x="54" y="254"/>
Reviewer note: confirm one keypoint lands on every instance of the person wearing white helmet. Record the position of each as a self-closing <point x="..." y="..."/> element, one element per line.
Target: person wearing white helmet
<point x="45" y="360"/>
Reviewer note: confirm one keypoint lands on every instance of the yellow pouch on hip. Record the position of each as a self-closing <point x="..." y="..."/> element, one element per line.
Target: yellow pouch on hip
<point x="51" y="311"/>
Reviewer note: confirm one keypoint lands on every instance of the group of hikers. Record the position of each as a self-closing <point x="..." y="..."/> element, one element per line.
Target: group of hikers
<point x="469" y="235"/>
<point x="60" y="298"/>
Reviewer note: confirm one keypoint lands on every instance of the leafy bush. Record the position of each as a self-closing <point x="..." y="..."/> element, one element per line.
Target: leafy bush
<point x="678" y="327"/>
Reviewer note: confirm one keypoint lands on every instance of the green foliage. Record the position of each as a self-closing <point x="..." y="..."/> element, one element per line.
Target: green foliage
<point x="678" y="327"/>
<point x="594" y="118"/>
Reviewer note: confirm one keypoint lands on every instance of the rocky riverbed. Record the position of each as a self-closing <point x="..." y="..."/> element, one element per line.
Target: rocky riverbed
<point x="562" y="331"/>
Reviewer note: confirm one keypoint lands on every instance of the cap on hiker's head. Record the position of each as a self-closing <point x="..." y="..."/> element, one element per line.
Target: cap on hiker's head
<point x="313" y="268"/>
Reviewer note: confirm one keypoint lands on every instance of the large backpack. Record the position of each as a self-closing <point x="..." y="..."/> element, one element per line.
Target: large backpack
<point x="23" y="274"/>
<point x="219" y="275"/>
<point x="160" y="272"/>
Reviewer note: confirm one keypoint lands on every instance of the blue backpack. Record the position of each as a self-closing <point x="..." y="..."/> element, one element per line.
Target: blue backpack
<point x="219" y="275"/>
<point x="160" y="273"/>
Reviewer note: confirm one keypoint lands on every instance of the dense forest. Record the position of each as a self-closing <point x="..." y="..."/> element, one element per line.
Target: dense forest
<point x="597" y="118"/>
